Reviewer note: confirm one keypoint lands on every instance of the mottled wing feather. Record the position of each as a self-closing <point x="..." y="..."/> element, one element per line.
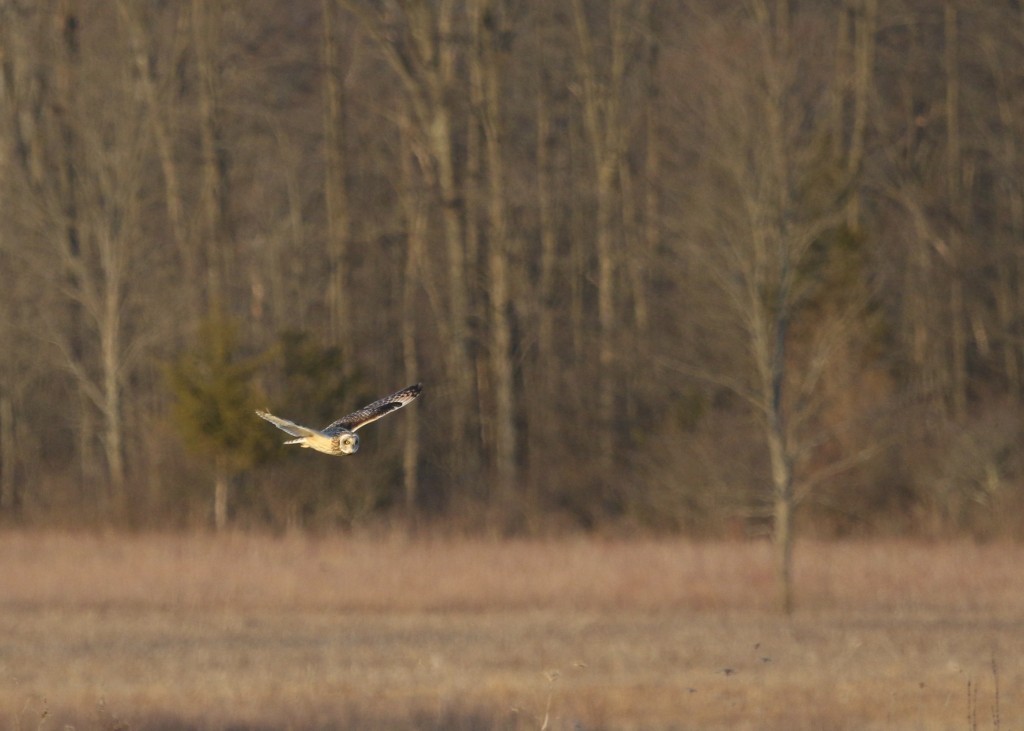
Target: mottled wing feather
<point x="374" y="411"/>
<point x="287" y="426"/>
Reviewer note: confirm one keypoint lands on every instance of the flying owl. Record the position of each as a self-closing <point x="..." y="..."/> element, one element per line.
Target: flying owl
<point x="339" y="437"/>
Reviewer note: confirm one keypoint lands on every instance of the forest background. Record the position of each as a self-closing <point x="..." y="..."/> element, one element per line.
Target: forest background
<point x="698" y="267"/>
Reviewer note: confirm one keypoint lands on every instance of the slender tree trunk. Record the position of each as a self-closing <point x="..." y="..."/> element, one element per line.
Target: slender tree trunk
<point x="769" y="326"/>
<point x="500" y="346"/>
<point x="411" y="444"/>
<point x="1009" y="273"/>
<point x="601" y="124"/>
<point x="843" y="73"/>
<point x="954" y="166"/>
<point x="782" y="539"/>
<point x="652" y="170"/>
<point x="431" y="30"/>
<point x="66" y="26"/>
<point x="436" y="41"/>
<point x="211" y="230"/>
<point x="335" y="190"/>
<point x="416" y="226"/>
<point x="542" y="365"/>
<point x="633" y="290"/>
<point x="475" y="202"/>
<point x="8" y="453"/>
<point x="548" y="239"/>
<point x="605" y="313"/>
<point x="458" y="351"/>
<point x="863" y="66"/>
<point x="776" y="250"/>
<point x="578" y="254"/>
<point x="110" y="354"/>
<point x="221" y="483"/>
<point x="781" y="460"/>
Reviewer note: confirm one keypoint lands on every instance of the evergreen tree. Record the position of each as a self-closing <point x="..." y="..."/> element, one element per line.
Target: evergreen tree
<point x="214" y="401"/>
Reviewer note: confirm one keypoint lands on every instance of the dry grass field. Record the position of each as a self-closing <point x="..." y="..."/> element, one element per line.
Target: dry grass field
<point x="251" y="632"/>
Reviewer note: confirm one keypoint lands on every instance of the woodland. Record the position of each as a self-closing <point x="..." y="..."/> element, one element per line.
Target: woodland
<point x="720" y="269"/>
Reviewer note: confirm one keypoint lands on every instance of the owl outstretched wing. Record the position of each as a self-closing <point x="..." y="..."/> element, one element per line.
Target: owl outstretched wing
<point x="374" y="411"/>
<point x="291" y="427"/>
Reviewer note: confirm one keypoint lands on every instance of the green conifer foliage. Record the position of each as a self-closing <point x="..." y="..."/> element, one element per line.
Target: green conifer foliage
<point x="214" y="400"/>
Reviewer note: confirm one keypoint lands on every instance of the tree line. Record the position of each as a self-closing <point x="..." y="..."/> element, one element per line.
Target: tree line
<point x="719" y="268"/>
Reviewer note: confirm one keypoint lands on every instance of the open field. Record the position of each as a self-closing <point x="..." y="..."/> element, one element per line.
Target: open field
<point x="248" y="632"/>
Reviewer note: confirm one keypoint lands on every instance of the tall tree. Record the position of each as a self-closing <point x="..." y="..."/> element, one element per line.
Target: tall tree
<point x="486" y="19"/>
<point x="215" y="396"/>
<point x="154" y="86"/>
<point x="420" y="42"/>
<point x="601" y="101"/>
<point x="213" y="222"/>
<point x="85" y="180"/>
<point x="954" y="192"/>
<point x="413" y="207"/>
<point x="336" y="201"/>
<point x="769" y="219"/>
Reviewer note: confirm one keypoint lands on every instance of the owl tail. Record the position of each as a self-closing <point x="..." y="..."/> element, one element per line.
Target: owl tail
<point x="300" y="440"/>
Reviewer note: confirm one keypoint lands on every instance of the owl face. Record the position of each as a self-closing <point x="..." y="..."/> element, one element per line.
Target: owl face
<point x="348" y="443"/>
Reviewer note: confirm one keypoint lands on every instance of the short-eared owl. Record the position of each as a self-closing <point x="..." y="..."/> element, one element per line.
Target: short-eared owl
<point x="339" y="438"/>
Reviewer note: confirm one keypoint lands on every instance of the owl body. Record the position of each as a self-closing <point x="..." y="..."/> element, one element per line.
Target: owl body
<point x="339" y="438"/>
<point x="345" y="442"/>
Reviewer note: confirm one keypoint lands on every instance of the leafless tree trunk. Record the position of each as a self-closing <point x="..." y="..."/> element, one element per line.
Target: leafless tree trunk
<point x="423" y="56"/>
<point x="484" y="19"/>
<point x="8" y="453"/>
<point x="413" y="208"/>
<point x="221" y="483"/>
<point x="758" y="238"/>
<point x="212" y="230"/>
<point x="954" y="168"/>
<point x="772" y="319"/>
<point x="110" y="327"/>
<point x="600" y="97"/>
<point x="541" y="369"/>
<point x="1009" y="283"/>
<point x="548" y="239"/>
<point x="161" y="116"/>
<point x="864" y="28"/>
<point x="335" y="190"/>
<point x="652" y="163"/>
<point x="66" y="22"/>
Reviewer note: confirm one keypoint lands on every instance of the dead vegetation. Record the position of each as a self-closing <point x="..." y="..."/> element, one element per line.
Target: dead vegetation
<point x="246" y="632"/>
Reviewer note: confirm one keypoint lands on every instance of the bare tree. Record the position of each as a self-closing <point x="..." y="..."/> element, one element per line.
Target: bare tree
<point x="601" y="100"/>
<point x="1001" y="57"/>
<point x="763" y="227"/>
<point x="486" y="20"/>
<point x="855" y="51"/>
<point x="419" y="42"/>
<point x="162" y="114"/>
<point x="83" y="161"/>
<point x="954" y="192"/>
<point x="543" y="222"/>
<point x="413" y="206"/>
<point x="212" y="202"/>
<point x="335" y="188"/>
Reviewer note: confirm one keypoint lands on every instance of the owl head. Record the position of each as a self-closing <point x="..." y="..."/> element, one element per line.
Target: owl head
<point x="348" y="443"/>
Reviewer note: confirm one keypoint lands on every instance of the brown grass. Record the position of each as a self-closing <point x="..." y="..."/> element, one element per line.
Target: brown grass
<point x="174" y="632"/>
